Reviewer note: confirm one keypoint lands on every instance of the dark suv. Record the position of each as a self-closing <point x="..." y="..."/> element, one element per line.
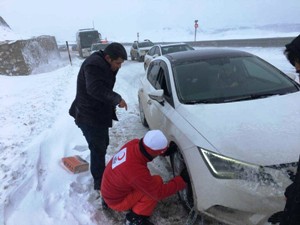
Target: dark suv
<point x="139" y="49"/>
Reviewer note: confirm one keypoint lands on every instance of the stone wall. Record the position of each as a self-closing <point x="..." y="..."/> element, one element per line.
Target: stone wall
<point x="22" y="56"/>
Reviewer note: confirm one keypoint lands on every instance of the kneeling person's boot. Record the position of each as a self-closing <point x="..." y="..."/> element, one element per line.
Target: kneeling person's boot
<point x="135" y="219"/>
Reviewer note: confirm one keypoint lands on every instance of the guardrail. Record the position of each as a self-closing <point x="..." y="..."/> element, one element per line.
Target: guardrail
<point x="255" y="42"/>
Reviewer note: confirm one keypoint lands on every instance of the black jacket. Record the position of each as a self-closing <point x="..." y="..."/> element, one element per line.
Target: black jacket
<point x="294" y="46"/>
<point x="95" y="100"/>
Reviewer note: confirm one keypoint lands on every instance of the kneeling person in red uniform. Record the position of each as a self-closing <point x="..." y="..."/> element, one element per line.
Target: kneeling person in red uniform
<point x="127" y="183"/>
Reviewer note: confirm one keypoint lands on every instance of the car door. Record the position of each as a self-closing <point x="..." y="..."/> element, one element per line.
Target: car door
<point x="149" y="56"/>
<point x="158" y="112"/>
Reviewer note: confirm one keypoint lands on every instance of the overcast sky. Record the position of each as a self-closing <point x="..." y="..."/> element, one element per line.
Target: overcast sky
<point x="122" y="19"/>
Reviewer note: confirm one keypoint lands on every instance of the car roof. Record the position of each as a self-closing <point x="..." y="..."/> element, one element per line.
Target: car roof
<point x="205" y="53"/>
<point x="172" y="44"/>
<point x="144" y="41"/>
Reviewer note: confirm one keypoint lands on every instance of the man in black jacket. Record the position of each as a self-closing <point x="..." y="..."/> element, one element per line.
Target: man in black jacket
<point x="292" y="52"/>
<point x="291" y="213"/>
<point x="94" y="106"/>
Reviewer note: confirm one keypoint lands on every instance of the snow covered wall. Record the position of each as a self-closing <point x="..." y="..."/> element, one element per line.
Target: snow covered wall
<point x="22" y="56"/>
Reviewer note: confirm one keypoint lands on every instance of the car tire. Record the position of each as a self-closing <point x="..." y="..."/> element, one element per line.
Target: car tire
<point x="138" y="58"/>
<point x="142" y="115"/>
<point x="141" y="59"/>
<point x="186" y="195"/>
<point x="132" y="57"/>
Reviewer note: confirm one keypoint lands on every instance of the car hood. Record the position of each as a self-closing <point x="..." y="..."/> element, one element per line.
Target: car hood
<point x="263" y="131"/>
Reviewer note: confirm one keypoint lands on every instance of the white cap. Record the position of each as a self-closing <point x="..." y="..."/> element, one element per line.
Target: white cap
<point x="155" y="140"/>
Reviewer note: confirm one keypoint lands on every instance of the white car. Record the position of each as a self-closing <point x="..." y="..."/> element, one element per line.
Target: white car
<point x="235" y="122"/>
<point x="162" y="49"/>
<point x="139" y="49"/>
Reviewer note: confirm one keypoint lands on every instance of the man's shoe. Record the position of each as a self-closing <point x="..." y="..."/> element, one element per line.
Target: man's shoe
<point x="134" y="219"/>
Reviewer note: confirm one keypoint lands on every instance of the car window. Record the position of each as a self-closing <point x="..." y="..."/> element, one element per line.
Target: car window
<point x="145" y="44"/>
<point x="151" y="51"/>
<point x="229" y="79"/>
<point x="164" y="50"/>
<point x="256" y="71"/>
<point x="175" y="48"/>
<point x="158" y="76"/>
<point x="157" y="52"/>
<point x="153" y="73"/>
<point x="165" y="84"/>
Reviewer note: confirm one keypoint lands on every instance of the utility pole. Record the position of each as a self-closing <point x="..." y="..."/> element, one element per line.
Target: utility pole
<point x="138" y="36"/>
<point x="196" y="26"/>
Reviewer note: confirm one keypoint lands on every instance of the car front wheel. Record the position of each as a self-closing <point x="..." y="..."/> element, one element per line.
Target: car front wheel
<point x="186" y="195"/>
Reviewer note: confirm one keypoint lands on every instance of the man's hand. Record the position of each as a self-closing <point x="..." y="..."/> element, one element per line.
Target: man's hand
<point x="123" y="104"/>
<point x="171" y="150"/>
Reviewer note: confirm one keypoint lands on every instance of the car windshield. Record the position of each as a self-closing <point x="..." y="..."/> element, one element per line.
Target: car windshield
<point x="145" y="44"/>
<point x="175" y="48"/>
<point x="221" y="80"/>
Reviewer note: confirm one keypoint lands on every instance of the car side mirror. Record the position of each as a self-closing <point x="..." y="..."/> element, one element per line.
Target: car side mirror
<point x="157" y="95"/>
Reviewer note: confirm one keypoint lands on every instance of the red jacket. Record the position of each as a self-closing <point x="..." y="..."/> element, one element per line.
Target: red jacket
<point x="128" y="171"/>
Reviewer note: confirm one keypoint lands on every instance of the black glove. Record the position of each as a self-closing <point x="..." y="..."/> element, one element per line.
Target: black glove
<point x="171" y="150"/>
<point x="185" y="175"/>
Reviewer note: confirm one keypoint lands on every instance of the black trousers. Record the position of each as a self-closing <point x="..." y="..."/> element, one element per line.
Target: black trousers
<point x="98" y="140"/>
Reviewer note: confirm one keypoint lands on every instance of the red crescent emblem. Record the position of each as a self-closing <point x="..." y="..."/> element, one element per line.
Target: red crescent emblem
<point x="121" y="157"/>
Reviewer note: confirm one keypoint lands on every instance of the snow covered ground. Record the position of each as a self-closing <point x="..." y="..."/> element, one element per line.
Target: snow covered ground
<point x="36" y="132"/>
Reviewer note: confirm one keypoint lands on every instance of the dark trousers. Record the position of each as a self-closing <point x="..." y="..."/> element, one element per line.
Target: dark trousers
<point x="98" y="140"/>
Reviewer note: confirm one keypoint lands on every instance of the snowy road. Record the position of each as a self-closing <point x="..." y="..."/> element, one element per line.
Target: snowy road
<point x="37" y="132"/>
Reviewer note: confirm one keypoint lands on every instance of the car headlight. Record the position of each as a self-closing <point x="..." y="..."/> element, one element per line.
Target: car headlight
<point x="228" y="168"/>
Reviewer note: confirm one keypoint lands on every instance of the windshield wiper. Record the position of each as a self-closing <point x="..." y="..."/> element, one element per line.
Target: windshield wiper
<point x="249" y="97"/>
<point x="256" y="96"/>
<point x="233" y="99"/>
<point x="205" y="101"/>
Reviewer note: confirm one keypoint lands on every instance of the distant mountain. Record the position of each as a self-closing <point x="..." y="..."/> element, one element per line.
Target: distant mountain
<point x="171" y="34"/>
<point x="3" y="23"/>
<point x="277" y="28"/>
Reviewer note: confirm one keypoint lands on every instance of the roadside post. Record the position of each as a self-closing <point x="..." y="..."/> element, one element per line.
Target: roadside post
<point x="196" y="26"/>
<point x="69" y="53"/>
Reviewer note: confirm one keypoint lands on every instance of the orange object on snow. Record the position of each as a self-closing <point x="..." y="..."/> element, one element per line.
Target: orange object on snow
<point x="75" y="164"/>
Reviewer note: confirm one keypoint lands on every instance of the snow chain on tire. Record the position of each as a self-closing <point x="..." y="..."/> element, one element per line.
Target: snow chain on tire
<point x="192" y="217"/>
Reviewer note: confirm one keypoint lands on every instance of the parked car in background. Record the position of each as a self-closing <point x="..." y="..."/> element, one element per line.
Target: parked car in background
<point x="98" y="46"/>
<point x="139" y="49"/>
<point x="162" y="49"/>
<point x="234" y="121"/>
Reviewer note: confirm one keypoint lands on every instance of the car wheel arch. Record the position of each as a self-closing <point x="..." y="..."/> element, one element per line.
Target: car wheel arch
<point x="178" y="163"/>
